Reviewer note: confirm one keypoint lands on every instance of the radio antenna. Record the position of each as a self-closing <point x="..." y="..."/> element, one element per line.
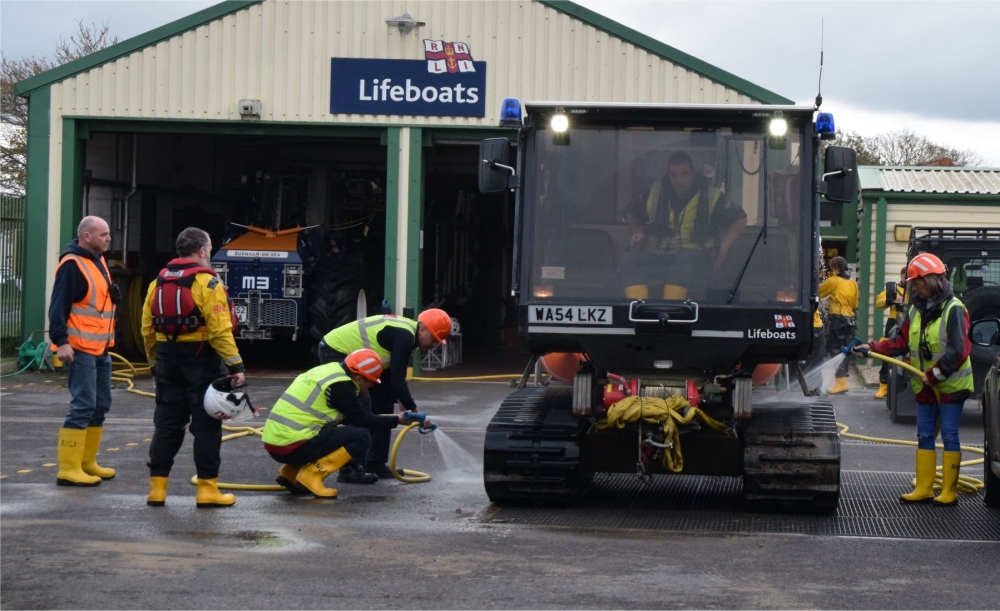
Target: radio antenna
<point x="819" y="85"/>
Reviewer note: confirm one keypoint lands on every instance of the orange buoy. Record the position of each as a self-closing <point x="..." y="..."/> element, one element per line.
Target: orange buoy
<point x="764" y="373"/>
<point x="562" y="365"/>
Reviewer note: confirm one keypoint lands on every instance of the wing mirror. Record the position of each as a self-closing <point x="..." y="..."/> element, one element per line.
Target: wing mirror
<point x="495" y="171"/>
<point x="985" y="332"/>
<point x="840" y="174"/>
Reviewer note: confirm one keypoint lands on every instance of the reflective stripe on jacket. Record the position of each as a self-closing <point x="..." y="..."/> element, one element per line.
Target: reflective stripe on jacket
<point x="302" y="411"/>
<point x="362" y="334"/>
<point x="91" y="323"/>
<point x="936" y="337"/>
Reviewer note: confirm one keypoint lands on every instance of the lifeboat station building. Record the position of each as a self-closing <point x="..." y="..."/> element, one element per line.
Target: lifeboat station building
<point x="359" y="118"/>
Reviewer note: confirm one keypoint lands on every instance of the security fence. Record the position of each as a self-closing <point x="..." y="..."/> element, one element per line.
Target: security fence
<point x="11" y="264"/>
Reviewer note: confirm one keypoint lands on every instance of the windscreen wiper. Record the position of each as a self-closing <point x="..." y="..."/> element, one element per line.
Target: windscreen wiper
<point x="761" y="234"/>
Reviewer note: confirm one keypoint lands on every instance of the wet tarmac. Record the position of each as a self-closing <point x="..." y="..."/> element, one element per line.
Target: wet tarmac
<point x="442" y="544"/>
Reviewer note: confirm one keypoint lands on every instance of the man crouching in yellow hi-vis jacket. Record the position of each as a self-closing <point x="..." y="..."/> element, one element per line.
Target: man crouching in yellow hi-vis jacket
<point x="319" y="424"/>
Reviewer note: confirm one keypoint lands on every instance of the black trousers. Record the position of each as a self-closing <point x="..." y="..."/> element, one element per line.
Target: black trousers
<point x="839" y="333"/>
<point x="379" y="400"/>
<point x="183" y="371"/>
<point x="354" y="439"/>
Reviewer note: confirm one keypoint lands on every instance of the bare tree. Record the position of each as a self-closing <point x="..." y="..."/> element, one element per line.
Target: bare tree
<point x="14" y="109"/>
<point x="904" y="147"/>
<point x="87" y="40"/>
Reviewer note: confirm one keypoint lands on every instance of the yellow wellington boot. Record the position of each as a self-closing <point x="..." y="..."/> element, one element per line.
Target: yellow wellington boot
<point x="950" y="466"/>
<point x="923" y="491"/>
<point x="157" y="491"/>
<point x="89" y="463"/>
<point x="839" y="388"/>
<point x="883" y="390"/>
<point x="311" y="476"/>
<point x="286" y="478"/>
<point x="70" y="454"/>
<point x="672" y="291"/>
<point x="208" y="494"/>
<point x="637" y="291"/>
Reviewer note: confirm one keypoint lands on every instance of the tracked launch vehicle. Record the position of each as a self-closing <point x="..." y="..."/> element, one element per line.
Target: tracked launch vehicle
<point x="692" y="331"/>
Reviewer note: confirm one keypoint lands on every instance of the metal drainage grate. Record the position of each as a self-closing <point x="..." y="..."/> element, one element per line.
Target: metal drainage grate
<point x="869" y="507"/>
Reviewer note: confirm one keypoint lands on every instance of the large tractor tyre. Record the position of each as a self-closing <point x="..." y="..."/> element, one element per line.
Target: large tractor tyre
<point x="983" y="302"/>
<point x="336" y="295"/>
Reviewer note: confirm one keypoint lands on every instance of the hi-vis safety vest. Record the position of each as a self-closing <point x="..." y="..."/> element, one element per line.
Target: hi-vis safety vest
<point x="91" y="322"/>
<point x="362" y="333"/>
<point x="689" y="229"/>
<point x="302" y="411"/>
<point x="936" y="336"/>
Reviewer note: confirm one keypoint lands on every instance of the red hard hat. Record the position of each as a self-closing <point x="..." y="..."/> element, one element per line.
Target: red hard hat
<point x="924" y="265"/>
<point x="438" y="323"/>
<point x="365" y="363"/>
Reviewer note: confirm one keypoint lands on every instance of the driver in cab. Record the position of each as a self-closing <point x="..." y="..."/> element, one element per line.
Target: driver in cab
<point x="682" y="229"/>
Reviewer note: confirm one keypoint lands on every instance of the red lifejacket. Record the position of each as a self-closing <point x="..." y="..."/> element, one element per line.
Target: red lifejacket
<point x="174" y="310"/>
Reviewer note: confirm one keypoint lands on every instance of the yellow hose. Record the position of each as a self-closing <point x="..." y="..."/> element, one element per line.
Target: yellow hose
<point x="407" y="476"/>
<point x="668" y="414"/>
<point x="243" y="431"/>
<point x="130" y="372"/>
<point x="966" y="483"/>
<point x="906" y="366"/>
<point x="499" y="376"/>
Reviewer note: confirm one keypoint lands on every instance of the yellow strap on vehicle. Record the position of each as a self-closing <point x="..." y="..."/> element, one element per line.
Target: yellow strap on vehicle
<point x="667" y="412"/>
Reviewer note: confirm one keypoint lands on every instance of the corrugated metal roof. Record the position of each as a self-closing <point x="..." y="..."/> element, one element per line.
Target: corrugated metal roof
<point x="978" y="181"/>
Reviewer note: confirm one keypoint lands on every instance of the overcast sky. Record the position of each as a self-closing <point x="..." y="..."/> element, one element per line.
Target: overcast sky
<point x="933" y="67"/>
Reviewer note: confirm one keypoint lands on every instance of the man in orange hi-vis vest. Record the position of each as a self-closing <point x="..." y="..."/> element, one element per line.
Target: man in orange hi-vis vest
<point x="82" y="330"/>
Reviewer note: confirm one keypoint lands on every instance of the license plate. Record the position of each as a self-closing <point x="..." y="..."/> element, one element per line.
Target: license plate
<point x="241" y="313"/>
<point x="570" y="315"/>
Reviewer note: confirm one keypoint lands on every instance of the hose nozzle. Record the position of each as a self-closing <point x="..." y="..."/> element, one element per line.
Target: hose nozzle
<point x="420" y="417"/>
<point x="857" y="341"/>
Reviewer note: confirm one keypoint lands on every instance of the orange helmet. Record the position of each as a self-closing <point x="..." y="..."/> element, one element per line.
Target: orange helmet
<point x="365" y="363"/>
<point x="924" y="265"/>
<point x="438" y="323"/>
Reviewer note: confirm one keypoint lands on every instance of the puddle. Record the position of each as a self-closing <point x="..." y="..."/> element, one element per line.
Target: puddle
<point x="243" y="539"/>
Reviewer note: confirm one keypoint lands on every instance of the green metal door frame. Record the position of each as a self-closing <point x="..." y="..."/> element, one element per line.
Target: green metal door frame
<point x="36" y="214"/>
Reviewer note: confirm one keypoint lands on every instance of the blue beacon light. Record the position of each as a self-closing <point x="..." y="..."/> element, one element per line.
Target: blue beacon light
<point x="825" y="125"/>
<point x="510" y="113"/>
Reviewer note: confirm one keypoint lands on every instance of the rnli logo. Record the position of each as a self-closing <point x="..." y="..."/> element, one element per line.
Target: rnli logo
<point x="783" y="321"/>
<point x="450" y="57"/>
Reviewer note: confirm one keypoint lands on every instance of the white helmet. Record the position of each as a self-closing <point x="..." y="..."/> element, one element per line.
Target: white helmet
<point x="223" y="401"/>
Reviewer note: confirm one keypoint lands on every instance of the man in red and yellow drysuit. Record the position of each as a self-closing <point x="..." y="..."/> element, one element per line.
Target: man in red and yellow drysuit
<point x="188" y="350"/>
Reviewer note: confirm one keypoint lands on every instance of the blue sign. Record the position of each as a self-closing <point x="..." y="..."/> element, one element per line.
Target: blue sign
<point x="406" y="87"/>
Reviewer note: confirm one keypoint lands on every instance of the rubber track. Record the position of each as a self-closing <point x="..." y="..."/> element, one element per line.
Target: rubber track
<point x="791" y="457"/>
<point x="532" y="449"/>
